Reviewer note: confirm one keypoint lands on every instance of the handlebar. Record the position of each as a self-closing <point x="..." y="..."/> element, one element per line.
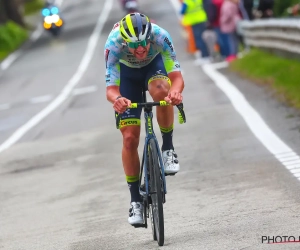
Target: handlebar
<point x="181" y="114"/>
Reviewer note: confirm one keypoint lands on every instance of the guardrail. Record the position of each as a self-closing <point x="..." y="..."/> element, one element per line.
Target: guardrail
<point x="280" y="34"/>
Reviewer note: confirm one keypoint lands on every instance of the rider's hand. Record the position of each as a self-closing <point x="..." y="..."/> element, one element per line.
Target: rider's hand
<point x="121" y="104"/>
<point x="174" y="98"/>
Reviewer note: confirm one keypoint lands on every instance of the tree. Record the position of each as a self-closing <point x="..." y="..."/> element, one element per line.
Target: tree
<point x="10" y="10"/>
<point x="3" y="16"/>
<point x="281" y="6"/>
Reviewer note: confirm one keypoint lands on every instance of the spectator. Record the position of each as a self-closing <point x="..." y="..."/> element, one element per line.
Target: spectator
<point x="294" y="10"/>
<point x="210" y="38"/>
<point x="228" y="23"/>
<point x="129" y="6"/>
<point x="265" y="7"/>
<point x="214" y="15"/>
<point x="248" y="5"/>
<point x="191" y="45"/>
<point x="194" y="15"/>
<point x="243" y="11"/>
<point x="245" y="15"/>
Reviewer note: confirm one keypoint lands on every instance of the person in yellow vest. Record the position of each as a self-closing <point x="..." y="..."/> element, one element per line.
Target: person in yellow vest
<point x="191" y="45"/>
<point x="194" y="15"/>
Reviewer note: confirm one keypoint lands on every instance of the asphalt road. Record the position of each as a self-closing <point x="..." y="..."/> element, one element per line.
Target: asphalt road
<point x="62" y="185"/>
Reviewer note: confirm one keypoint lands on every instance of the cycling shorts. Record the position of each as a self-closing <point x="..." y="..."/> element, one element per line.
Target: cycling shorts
<point x="132" y="82"/>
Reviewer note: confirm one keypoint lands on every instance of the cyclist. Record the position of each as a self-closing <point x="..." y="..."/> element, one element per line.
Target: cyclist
<point x="139" y="54"/>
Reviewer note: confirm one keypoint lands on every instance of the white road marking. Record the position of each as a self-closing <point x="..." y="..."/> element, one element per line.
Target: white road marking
<point x="10" y="59"/>
<point x="41" y="99"/>
<point x="289" y="163"/>
<point x="36" y="34"/>
<point x="294" y="171"/>
<point x="85" y="90"/>
<point x="291" y="167"/>
<point x="92" y="43"/>
<point x="288" y="160"/>
<point x="48" y="98"/>
<point x="260" y="129"/>
<point x="285" y="156"/>
<point x="4" y="106"/>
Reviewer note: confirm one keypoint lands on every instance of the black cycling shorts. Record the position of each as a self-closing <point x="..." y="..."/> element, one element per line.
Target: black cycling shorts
<point x="132" y="82"/>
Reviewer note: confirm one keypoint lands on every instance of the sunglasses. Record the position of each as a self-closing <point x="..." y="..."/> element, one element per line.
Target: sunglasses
<point x="137" y="44"/>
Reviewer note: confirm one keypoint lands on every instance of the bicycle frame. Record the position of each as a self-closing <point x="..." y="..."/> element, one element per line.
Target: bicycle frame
<point x="147" y="107"/>
<point x="150" y="135"/>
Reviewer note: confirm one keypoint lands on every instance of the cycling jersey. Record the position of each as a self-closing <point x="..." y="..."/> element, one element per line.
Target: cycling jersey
<point x="116" y="52"/>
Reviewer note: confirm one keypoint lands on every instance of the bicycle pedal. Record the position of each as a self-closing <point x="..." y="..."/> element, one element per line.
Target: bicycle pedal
<point x="170" y="174"/>
<point x="139" y="225"/>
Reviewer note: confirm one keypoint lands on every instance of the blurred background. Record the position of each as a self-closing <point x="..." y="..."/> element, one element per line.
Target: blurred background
<point x="17" y="17"/>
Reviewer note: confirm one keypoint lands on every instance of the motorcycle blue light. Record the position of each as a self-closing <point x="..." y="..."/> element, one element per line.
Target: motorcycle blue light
<point x="46" y="12"/>
<point x="54" y="10"/>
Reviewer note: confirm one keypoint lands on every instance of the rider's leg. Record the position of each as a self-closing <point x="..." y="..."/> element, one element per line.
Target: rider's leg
<point x="158" y="89"/>
<point x="130" y="87"/>
<point x="158" y="84"/>
<point x="130" y="129"/>
<point x="130" y="159"/>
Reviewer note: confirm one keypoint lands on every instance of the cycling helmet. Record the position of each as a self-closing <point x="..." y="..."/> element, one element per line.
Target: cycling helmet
<point x="135" y="27"/>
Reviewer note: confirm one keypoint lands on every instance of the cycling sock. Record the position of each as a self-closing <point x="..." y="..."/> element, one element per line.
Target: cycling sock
<point x="133" y="184"/>
<point x="167" y="136"/>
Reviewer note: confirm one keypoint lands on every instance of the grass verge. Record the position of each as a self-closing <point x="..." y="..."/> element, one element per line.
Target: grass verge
<point x="278" y="73"/>
<point x="11" y="37"/>
<point x="33" y="7"/>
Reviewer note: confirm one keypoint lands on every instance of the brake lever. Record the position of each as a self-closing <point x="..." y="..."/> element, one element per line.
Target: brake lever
<point x="181" y="114"/>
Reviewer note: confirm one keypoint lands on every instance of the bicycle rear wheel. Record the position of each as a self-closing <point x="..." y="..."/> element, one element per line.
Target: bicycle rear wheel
<point x="156" y="192"/>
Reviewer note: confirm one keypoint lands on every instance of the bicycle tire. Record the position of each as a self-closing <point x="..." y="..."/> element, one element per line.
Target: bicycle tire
<point x="156" y="192"/>
<point x="152" y="222"/>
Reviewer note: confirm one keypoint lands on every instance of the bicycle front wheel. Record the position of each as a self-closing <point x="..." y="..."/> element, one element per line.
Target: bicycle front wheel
<point x="156" y="192"/>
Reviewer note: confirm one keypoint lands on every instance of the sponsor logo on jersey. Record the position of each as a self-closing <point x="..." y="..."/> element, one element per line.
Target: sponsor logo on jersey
<point x="106" y="56"/>
<point x="169" y="43"/>
<point x="129" y="122"/>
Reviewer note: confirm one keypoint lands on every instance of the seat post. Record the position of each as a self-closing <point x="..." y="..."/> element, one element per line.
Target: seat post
<point x="147" y="109"/>
<point x="144" y="95"/>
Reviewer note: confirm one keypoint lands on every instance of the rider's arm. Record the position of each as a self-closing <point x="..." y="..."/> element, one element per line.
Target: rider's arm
<point x="112" y="75"/>
<point x="112" y="93"/>
<point x="177" y="81"/>
<point x="112" y="79"/>
<point x="170" y="61"/>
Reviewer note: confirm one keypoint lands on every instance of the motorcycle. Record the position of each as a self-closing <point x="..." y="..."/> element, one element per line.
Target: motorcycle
<point x="129" y="6"/>
<point x="52" y="20"/>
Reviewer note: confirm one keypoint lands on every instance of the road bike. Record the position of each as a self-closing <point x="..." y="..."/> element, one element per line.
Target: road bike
<point x="152" y="182"/>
